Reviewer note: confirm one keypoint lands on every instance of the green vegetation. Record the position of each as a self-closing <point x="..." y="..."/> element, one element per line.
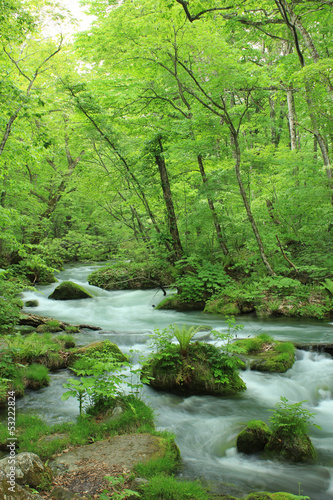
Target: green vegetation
<point x="190" y="368"/>
<point x="288" y="437"/>
<point x="67" y="290"/>
<point x="266" y="354"/>
<point x="26" y="360"/>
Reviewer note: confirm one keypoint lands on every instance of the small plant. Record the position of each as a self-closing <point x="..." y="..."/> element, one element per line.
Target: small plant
<point x="80" y="389"/>
<point x="117" y="491"/>
<point x="290" y="419"/>
<point x="328" y="285"/>
<point x="231" y="332"/>
<point x="184" y="335"/>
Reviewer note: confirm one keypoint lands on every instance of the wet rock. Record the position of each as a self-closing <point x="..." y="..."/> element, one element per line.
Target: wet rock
<point x="69" y="291"/>
<point x="294" y="448"/>
<point x="31" y="303"/>
<point x="253" y="438"/>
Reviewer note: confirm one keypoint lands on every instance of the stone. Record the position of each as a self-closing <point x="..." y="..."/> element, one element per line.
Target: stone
<point x="29" y="468"/>
<point x="60" y="493"/>
<point x="68" y="290"/>
<point x="14" y="492"/>
<point x="293" y="448"/>
<point x="253" y="438"/>
<point x="31" y="303"/>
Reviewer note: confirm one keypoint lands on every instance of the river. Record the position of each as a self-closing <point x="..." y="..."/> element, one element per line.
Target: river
<point x="205" y="427"/>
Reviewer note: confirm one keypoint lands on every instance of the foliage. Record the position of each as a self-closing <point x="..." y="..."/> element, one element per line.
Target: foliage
<point x="36" y="376"/>
<point x="291" y="419"/>
<point x="204" y="370"/>
<point x="10" y="304"/>
<point x="99" y="370"/>
<point x="163" y="486"/>
<point x="197" y="281"/>
<point x="116" y="489"/>
<point x="166" y="462"/>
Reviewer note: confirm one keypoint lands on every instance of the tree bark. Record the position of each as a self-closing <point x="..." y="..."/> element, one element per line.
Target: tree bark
<point x="170" y="211"/>
<point x="234" y="140"/>
<point x="212" y="209"/>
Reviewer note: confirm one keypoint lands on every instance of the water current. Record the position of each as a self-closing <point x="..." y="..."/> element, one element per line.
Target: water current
<point x="205" y="427"/>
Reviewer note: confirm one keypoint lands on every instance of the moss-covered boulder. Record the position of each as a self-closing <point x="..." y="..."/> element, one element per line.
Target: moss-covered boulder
<point x="176" y="303"/>
<point x="296" y="448"/>
<point x="254" y="437"/>
<point x="105" y="349"/>
<point x="31" y="303"/>
<point x="265" y="354"/>
<point x="68" y="290"/>
<point x="130" y="276"/>
<point x="203" y="370"/>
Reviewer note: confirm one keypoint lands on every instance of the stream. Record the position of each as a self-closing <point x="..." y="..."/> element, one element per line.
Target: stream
<point x="205" y="427"/>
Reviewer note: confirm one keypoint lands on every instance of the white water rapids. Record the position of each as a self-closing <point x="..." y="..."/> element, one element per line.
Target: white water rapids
<point x="205" y="427"/>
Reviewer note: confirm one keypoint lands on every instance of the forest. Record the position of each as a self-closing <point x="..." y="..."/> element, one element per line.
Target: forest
<point x="184" y="145"/>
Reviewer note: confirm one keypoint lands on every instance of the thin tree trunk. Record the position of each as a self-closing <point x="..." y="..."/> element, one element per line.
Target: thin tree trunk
<point x="171" y="215"/>
<point x="292" y="118"/>
<point x="234" y="140"/>
<point x="212" y="209"/>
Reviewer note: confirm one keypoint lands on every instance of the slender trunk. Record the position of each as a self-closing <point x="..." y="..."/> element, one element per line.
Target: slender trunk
<point x="212" y="209"/>
<point x="234" y="140"/>
<point x="171" y="215"/>
<point x="292" y="118"/>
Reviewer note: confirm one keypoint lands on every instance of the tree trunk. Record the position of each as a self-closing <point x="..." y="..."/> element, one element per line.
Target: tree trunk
<point x="212" y="209"/>
<point x="234" y="140"/>
<point x="292" y="118"/>
<point x="171" y="215"/>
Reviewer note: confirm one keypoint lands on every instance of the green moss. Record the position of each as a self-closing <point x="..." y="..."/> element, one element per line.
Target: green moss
<point x="165" y="461"/>
<point x="254" y="437"/>
<point x="176" y="303"/>
<point x="105" y="347"/>
<point x="204" y="370"/>
<point x="295" y="448"/>
<point x="267" y="355"/>
<point x="130" y="276"/>
<point x="36" y="376"/>
<point x="69" y="291"/>
<point x="222" y="305"/>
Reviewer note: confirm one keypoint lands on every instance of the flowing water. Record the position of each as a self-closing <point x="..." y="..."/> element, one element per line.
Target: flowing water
<point x="205" y="426"/>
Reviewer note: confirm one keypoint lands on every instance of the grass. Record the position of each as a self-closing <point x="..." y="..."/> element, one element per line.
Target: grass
<point x="32" y="432"/>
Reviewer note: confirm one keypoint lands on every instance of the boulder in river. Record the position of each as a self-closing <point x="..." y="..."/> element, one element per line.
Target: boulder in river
<point x="68" y="290"/>
<point x="254" y="437"/>
<point x="203" y="370"/>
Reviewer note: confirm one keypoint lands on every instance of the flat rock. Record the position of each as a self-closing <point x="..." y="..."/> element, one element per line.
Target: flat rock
<point x="124" y="451"/>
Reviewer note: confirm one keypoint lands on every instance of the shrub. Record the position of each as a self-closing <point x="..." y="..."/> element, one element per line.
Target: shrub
<point x="291" y="418"/>
<point x="198" y="281"/>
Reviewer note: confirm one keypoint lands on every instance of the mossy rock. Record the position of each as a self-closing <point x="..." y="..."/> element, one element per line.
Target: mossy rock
<point x="69" y="291"/>
<point x="222" y="306"/>
<point x="293" y="448"/>
<point x="31" y="303"/>
<point x="253" y="438"/>
<point x="130" y="276"/>
<point x="265" y="354"/>
<point x="51" y="326"/>
<point x="105" y="346"/>
<point x="204" y="370"/>
<point x="176" y="303"/>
